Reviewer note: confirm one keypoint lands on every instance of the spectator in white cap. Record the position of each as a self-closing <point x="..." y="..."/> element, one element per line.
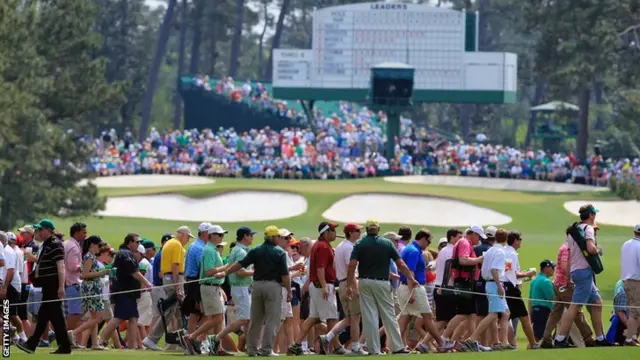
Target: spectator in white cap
<point x="442" y="243"/>
<point x="12" y="285"/>
<point x="210" y="290"/>
<point x="192" y="298"/>
<point x="145" y="303"/>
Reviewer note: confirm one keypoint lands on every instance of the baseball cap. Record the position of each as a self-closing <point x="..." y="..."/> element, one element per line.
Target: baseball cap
<point x="547" y="263"/>
<point x="442" y="241"/>
<point x="165" y="238"/>
<point x="478" y="230"/>
<point x="271" y="230"/>
<point x="148" y="244"/>
<point x="391" y="235"/>
<point x="285" y="232"/>
<point x="216" y="229"/>
<point x="244" y="230"/>
<point x="351" y="227"/>
<point x="12" y="237"/>
<point x="141" y="249"/>
<point x="372" y="223"/>
<point x="325" y="225"/>
<point x="46" y="224"/>
<point x="222" y="244"/>
<point x="27" y="229"/>
<point x="185" y="230"/>
<point x="491" y="231"/>
<point x="204" y="227"/>
<point x="636" y="228"/>
<point x="587" y="209"/>
<point x="294" y="242"/>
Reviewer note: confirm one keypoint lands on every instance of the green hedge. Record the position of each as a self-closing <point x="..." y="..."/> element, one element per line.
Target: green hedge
<point x="627" y="188"/>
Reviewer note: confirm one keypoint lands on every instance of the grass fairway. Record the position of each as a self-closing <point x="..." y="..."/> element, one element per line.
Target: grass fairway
<point x="539" y="216"/>
<point x="563" y="354"/>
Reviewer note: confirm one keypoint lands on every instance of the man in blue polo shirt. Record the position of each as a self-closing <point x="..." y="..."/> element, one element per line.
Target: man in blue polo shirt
<point x="415" y="300"/>
<point x="192" y="261"/>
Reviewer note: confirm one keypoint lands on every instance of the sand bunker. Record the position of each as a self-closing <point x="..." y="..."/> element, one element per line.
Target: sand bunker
<point x="231" y="207"/>
<point x="496" y="184"/>
<point x="131" y="181"/>
<point x="620" y="212"/>
<point x="415" y="210"/>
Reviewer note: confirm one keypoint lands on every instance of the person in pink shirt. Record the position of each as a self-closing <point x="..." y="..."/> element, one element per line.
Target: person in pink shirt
<point x="73" y="268"/>
<point x="563" y="289"/>
<point x="465" y="272"/>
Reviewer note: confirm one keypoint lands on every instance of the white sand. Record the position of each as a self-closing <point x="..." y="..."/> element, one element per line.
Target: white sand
<point x="617" y="212"/>
<point x="415" y="210"/>
<point x="131" y="181"/>
<point x="496" y="184"/>
<point x="230" y="207"/>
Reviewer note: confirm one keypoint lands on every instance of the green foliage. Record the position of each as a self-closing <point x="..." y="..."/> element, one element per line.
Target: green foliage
<point x="52" y="87"/>
<point x="625" y="188"/>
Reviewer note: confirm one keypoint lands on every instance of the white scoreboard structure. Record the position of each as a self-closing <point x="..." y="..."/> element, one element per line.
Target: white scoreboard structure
<point x="440" y="44"/>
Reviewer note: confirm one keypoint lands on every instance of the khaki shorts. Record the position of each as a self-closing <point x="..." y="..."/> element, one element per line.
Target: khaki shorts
<point x="350" y="307"/>
<point x="420" y="304"/>
<point x="323" y="309"/>
<point x="632" y="290"/>
<point x="212" y="303"/>
<point x="287" y="310"/>
<point x="145" y="313"/>
<point x="107" y="313"/>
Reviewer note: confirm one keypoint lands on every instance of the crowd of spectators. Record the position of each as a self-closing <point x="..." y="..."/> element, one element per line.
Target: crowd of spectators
<point x="347" y="143"/>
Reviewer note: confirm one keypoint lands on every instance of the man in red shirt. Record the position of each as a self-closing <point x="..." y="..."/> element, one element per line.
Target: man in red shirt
<point x="322" y="276"/>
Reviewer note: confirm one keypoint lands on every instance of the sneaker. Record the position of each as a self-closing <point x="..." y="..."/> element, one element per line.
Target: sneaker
<point x="272" y="354"/>
<point x="214" y="344"/>
<point x="423" y="349"/>
<point x="324" y="343"/>
<point x="604" y="343"/>
<point x="483" y="348"/>
<point x="472" y="345"/>
<point x="564" y="344"/>
<point x="402" y="352"/>
<point x="460" y="346"/>
<point x="630" y="343"/>
<point x="98" y="348"/>
<point x="359" y="352"/>
<point x="496" y="347"/>
<point x="295" y="349"/>
<point x="23" y="346"/>
<point x="535" y="347"/>
<point x="549" y="345"/>
<point x="42" y="343"/>
<point x="149" y="344"/>
<point x="341" y="351"/>
<point x="447" y="346"/>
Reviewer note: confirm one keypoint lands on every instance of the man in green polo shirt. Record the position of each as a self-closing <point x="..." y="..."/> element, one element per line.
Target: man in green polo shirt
<point x="210" y="289"/>
<point x="541" y="298"/>
<point x="240" y="282"/>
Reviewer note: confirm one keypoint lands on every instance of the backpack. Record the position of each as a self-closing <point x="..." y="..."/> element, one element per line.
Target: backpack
<point x="578" y="235"/>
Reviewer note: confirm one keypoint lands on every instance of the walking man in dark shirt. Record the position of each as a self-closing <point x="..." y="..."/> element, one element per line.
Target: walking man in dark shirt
<point x="376" y="299"/>
<point x="269" y="275"/>
<point x="49" y="274"/>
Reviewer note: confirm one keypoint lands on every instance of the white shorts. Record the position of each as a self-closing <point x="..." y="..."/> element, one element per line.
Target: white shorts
<point x="145" y="314"/>
<point x="287" y="309"/>
<point x="321" y="308"/>
<point x="242" y="302"/>
<point x="421" y="302"/>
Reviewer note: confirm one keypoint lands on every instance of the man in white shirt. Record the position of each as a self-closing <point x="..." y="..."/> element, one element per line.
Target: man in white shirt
<point x="12" y="285"/>
<point x="630" y="275"/>
<point x="445" y="307"/>
<point x="350" y="306"/>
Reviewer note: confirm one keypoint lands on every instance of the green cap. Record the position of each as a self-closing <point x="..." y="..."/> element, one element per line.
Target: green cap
<point x="37" y="227"/>
<point x="46" y="224"/>
<point x="148" y="244"/>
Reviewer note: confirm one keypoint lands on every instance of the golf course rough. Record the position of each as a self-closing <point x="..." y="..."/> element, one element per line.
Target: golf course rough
<point x="412" y="209"/>
<point x="614" y="212"/>
<point x="234" y="206"/>
<point x="497" y="184"/>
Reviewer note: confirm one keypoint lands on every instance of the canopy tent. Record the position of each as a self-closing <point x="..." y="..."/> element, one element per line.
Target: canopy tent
<point x="555" y="106"/>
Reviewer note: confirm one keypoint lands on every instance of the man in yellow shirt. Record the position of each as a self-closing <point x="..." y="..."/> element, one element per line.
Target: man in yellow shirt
<point x="172" y="268"/>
